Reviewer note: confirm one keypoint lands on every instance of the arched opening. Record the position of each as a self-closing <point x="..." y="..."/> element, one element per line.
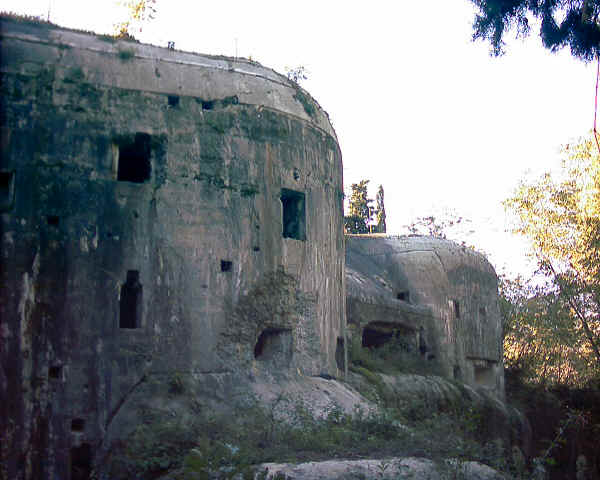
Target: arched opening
<point x="375" y="337"/>
<point x="274" y="345"/>
<point x="395" y="337"/>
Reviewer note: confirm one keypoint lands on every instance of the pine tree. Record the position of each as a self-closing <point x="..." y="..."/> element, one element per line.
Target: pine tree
<point x="572" y="23"/>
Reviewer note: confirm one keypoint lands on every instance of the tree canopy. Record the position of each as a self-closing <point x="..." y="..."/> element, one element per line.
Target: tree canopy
<point x="360" y="210"/>
<point x="572" y="23"/>
<point x="439" y="225"/>
<point x="560" y="215"/>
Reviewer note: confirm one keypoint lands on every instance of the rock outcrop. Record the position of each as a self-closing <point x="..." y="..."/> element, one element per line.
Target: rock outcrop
<point x="387" y="469"/>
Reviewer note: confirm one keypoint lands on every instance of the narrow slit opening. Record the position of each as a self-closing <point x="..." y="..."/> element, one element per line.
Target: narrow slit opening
<point x="131" y="301"/>
<point x="7" y="190"/>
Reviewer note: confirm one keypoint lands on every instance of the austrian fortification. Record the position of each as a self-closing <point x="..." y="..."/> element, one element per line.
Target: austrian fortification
<point x="161" y="212"/>
<point x="173" y="222"/>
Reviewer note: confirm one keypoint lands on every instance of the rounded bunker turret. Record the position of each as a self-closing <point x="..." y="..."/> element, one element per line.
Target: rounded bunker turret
<point x="443" y="297"/>
<point x="162" y="212"/>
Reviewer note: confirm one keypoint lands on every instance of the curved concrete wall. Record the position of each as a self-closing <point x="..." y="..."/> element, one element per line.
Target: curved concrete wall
<point x="162" y="212"/>
<point x="449" y="290"/>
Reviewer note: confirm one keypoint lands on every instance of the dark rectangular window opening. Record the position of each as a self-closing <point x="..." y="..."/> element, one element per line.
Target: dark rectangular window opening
<point x="53" y="220"/>
<point x="403" y="295"/>
<point x="455" y="308"/>
<point x="483" y="312"/>
<point x="226" y="265"/>
<point x="294" y="214"/>
<point x="173" y="100"/>
<point x="81" y="462"/>
<point x="134" y="159"/>
<point x="130" y="311"/>
<point x="55" y="372"/>
<point x="7" y="190"/>
<point x="77" y="425"/>
<point x="208" y="104"/>
<point x="340" y="357"/>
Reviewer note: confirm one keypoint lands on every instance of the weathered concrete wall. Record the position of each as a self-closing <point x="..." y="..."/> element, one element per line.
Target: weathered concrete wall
<point x="161" y="212"/>
<point x="446" y="294"/>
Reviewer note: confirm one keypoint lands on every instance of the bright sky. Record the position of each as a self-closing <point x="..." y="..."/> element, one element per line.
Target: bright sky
<point x="416" y="105"/>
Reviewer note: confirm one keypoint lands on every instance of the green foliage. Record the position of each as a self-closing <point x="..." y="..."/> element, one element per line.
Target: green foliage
<point x="355" y="224"/>
<point x="306" y="102"/>
<point x="542" y="342"/>
<point x="563" y="23"/>
<point x="154" y="447"/>
<point x="391" y="358"/>
<point x="360" y="210"/>
<point x="560" y="216"/>
<point x="222" y="446"/>
<point x="126" y="54"/>
<point x="177" y="384"/>
<point x="380" y="211"/>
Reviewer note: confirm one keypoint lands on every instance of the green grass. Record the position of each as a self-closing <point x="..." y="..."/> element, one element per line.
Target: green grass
<point x="126" y="54"/>
<point x="234" y="443"/>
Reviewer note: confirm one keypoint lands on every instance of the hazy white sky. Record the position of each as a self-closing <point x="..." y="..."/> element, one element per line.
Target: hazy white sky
<point x="416" y="105"/>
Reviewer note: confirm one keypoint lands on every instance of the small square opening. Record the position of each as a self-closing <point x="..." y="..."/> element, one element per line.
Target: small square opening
<point x="173" y="100"/>
<point x="226" y="265"/>
<point x="134" y="159"/>
<point x="7" y="190"/>
<point x="208" y="104"/>
<point x="130" y="308"/>
<point x="53" y="220"/>
<point x="55" y="372"/>
<point x="77" y="425"/>
<point x="403" y="295"/>
<point x="293" y="214"/>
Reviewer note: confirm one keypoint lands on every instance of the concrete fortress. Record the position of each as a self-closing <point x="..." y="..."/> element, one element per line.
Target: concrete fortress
<point x="162" y="212"/>
<point x="167" y="214"/>
<point x="437" y="298"/>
